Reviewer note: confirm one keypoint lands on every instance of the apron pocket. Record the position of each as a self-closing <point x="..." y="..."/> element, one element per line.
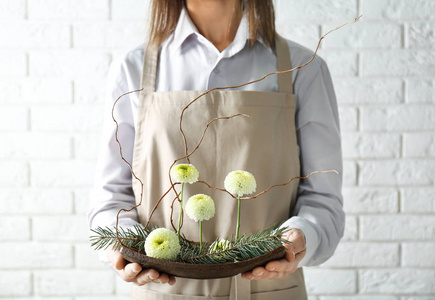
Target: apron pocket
<point x="142" y="294"/>
<point x="294" y="293"/>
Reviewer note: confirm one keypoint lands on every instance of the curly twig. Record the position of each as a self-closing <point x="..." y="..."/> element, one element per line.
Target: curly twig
<point x="129" y="165"/>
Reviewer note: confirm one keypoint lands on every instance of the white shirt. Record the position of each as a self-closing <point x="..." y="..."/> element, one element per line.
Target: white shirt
<point x="188" y="61"/>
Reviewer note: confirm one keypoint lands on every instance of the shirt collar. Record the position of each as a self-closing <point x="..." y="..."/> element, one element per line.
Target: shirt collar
<point x="186" y="28"/>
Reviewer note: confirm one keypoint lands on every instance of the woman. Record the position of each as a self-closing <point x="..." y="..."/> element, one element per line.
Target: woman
<point x="196" y="45"/>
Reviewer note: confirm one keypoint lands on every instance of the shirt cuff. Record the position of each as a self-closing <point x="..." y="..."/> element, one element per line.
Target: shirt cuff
<point x="311" y="237"/>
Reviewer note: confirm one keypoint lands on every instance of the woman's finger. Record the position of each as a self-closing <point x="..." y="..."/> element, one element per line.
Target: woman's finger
<point x="130" y="272"/>
<point x="146" y="276"/>
<point x="171" y="280"/>
<point x="297" y="237"/>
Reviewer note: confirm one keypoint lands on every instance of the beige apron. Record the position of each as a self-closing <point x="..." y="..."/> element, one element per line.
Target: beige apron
<point x="264" y="145"/>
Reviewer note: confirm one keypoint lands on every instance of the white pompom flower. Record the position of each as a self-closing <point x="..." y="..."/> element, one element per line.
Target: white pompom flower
<point x="162" y="243"/>
<point x="240" y="183"/>
<point x="184" y="173"/>
<point x="200" y="207"/>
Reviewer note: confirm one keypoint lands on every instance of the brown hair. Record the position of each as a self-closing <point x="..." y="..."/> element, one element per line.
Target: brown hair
<point x="165" y="14"/>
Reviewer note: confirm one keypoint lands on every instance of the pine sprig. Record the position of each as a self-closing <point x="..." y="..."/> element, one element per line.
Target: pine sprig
<point x="244" y="248"/>
<point x="132" y="238"/>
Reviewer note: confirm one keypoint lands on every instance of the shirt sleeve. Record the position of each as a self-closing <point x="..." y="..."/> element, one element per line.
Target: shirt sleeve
<point x="113" y="180"/>
<point x="319" y="208"/>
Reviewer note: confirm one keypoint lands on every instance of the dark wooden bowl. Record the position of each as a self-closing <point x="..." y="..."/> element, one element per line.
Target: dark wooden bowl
<point x="201" y="271"/>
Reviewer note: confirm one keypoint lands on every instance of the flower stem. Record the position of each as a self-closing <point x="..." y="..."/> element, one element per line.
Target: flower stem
<point x="238" y="217"/>
<point x="181" y="211"/>
<point x="200" y="235"/>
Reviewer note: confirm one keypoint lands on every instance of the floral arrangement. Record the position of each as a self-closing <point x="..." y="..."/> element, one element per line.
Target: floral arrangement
<point x="171" y="246"/>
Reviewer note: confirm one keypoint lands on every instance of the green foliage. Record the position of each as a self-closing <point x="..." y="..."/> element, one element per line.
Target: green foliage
<point x="244" y="248"/>
<point x="133" y="238"/>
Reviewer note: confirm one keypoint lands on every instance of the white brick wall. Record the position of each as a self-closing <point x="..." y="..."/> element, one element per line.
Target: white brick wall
<point x="54" y="56"/>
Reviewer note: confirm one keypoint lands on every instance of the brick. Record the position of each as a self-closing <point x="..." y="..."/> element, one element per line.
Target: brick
<point x="45" y="298"/>
<point x="70" y="173"/>
<point x="421" y="91"/>
<point x="35" y="35"/>
<point x="15" y="283"/>
<point x="36" y="201"/>
<point x="397" y="9"/>
<point x="398" y="118"/>
<point x="14" y="229"/>
<point x="360" y="255"/>
<point x="394" y="172"/>
<point x="419" y="145"/>
<point x="356" y="145"/>
<point x="364" y="35"/>
<point x="348" y="118"/>
<point x="60" y="228"/>
<point x="122" y="287"/>
<point x="394" y="281"/>
<point x="397" y="227"/>
<point x="69" y="118"/>
<point x="326" y="281"/>
<point x="34" y="145"/>
<point x="13" y="63"/>
<point x="130" y="10"/>
<point x="73" y="283"/>
<point x="87" y="258"/>
<point x="69" y="64"/>
<point x="369" y="91"/>
<point x="304" y="34"/>
<point x="315" y="11"/>
<point x="125" y="34"/>
<point x="35" y="255"/>
<point x="89" y="92"/>
<point x="14" y="173"/>
<point x="417" y="298"/>
<point x="349" y="173"/>
<point x="77" y="10"/>
<point x="370" y="200"/>
<point x="421" y="34"/>
<point x="398" y="63"/>
<point x="12" y="9"/>
<point x="14" y="118"/>
<point x="87" y="146"/>
<point x="351" y="229"/>
<point x="81" y="200"/>
<point x="341" y="63"/>
<point x="418" y="254"/>
<point x="418" y="200"/>
<point x="36" y="91"/>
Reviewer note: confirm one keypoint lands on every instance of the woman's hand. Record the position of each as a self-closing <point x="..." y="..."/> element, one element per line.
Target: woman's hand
<point x="132" y="272"/>
<point x="279" y="269"/>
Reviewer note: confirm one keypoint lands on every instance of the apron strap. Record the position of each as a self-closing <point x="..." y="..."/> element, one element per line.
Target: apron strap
<point x="285" y="81"/>
<point x="283" y="62"/>
<point x="149" y="72"/>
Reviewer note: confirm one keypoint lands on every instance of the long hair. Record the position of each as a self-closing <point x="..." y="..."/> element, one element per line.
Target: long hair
<point x="165" y="14"/>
